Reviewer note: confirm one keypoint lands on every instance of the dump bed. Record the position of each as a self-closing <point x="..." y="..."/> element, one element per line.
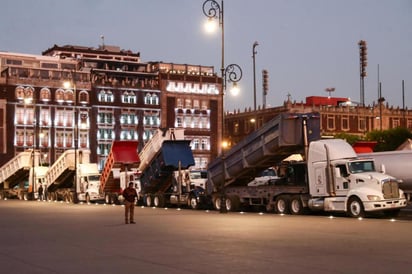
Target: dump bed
<point x="267" y="146"/>
<point x="157" y="175"/>
<point x="18" y="168"/>
<point x="61" y="173"/>
<point x="153" y="146"/>
<point x="122" y="154"/>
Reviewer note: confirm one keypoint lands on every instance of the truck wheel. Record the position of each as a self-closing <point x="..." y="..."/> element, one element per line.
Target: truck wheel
<point x="355" y="208"/>
<point x="193" y="204"/>
<point x="114" y="200"/>
<point x="159" y="201"/>
<point x="216" y="203"/>
<point x="282" y="205"/>
<point x="232" y="203"/>
<point x="1" y="195"/>
<point x="296" y="207"/>
<point x="149" y="201"/>
<point x="107" y="198"/>
<point x="87" y="198"/>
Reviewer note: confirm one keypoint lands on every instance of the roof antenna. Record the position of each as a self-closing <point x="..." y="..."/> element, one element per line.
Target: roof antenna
<point x="102" y="37"/>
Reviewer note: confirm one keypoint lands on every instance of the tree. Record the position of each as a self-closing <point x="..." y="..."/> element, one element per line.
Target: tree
<point x="388" y="139"/>
<point x="350" y="138"/>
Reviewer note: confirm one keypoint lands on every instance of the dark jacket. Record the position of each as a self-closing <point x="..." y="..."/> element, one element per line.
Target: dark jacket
<point x="129" y="194"/>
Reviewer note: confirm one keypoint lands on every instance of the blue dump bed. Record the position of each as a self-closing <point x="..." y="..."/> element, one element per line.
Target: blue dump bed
<point x="175" y="151"/>
<point x="157" y="175"/>
<point x="265" y="147"/>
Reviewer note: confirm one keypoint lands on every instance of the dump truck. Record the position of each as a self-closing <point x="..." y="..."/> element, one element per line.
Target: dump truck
<point x="120" y="168"/>
<point x="331" y="178"/>
<point x="72" y="178"/>
<point x="21" y="176"/>
<point x="397" y="163"/>
<point x="165" y="178"/>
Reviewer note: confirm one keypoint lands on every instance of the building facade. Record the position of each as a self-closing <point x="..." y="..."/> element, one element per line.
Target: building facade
<point x="79" y="97"/>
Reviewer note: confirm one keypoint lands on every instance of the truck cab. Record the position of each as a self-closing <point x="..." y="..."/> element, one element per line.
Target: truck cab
<point x="341" y="181"/>
<point x="264" y="177"/>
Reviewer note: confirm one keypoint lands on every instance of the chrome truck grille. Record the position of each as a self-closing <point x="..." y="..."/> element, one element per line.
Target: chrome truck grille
<point x="390" y="189"/>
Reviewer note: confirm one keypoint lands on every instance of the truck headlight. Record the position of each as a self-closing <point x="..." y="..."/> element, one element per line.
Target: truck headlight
<point x="373" y="197"/>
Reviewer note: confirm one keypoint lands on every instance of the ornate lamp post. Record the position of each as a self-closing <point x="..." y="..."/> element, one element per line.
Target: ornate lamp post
<point x="30" y="99"/>
<point x="232" y="73"/>
<point x="254" y="52"/>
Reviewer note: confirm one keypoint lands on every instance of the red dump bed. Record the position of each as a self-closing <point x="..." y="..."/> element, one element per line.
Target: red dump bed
<point x="125" y="152"/>
<point x="122" y="153"/>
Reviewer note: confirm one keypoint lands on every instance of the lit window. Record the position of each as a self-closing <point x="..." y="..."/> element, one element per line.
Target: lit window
<point x="148" y="99"/>
<point x="195" y="144"/>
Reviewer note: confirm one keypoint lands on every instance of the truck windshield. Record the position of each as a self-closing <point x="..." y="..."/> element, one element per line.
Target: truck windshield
<point x="94" y="178"/>
<point x="361" y="166"/>
<point x="198" y="174"/>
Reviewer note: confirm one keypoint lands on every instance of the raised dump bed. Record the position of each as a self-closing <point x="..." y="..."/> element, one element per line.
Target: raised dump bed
<point x="274" y="141"/>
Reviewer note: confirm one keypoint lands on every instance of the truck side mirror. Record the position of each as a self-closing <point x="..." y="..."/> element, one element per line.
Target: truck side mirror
<point x="383" y="169"/>
<point x="337" y="172"/>
<point x="340" y="171"/>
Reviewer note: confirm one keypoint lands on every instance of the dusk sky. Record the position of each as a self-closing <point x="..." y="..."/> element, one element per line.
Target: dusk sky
<point x="306" y="45"/>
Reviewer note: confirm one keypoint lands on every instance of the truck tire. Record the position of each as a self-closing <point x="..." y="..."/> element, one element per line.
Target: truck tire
<point x="216" y="202"/>
<point x="192" y="203"/>
<point x="2" y="195"/>
<point x="158" y="200"/>
<point x="296" y="206"/>
<point x="355" y="208"/>
<point x="232" y="203"/>
<point x="282" y="204"/>
<point x="87" y="198"/>
<point x="149" y="200"/>
<point x="114" y="199"/>
<point x="107" y="198"/>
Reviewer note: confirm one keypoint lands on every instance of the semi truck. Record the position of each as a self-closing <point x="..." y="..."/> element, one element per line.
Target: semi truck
<point x="120" y="168"/>
<point x="20" y="177"/>
<point x="331" y="178"/>
<point x="397" y="163"/>
<point x="73" y="178"/>
<point x="165" y="178"/>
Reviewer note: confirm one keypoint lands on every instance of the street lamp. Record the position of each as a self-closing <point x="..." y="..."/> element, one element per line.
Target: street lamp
<point x="232" y="73"/>
<point x="31" y="100"/>
<point x="254" y="52"/>
<point x="67" y="85"/>
<point x="213" y="10"/>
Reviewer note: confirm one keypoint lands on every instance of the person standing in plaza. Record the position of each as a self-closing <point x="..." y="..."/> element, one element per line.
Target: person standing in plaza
<point x="130" y="196"/>
<point x="40" y="191"/>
